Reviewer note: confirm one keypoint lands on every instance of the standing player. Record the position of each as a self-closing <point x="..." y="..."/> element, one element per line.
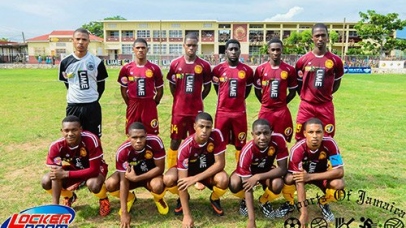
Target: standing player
<point x="201" y="159"/>
<point x="140" y="162"/>
<point x="75" y="160"/>
<point x="255" y="165"/>
<point x="232" y="81"/>
<point x="187" y="75"/>
<point x="316" y="160"/>
<point x="141" y="88"/>
<point x="319" y="76"/>
<point x="272" y="80"/>
<point x="84" y="76"/>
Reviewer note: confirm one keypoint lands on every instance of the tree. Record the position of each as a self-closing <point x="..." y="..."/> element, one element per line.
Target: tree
<point x="298" y="42"/>
<point x="96" y="27"/>
<point x="377" y="30"/>
<point x="4" y="39"/>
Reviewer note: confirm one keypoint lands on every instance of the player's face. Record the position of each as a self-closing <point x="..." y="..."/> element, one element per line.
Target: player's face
<point x="203" y="130"/>
<point x="138" y="138"/>
<point x="314" y="135"/>
<point x="81" y="41"/>
<point x="320" y="37"/>
<point x="190" y="47"/>
<point x="140" y="50"/>
<point x="275" y="51"/>
<point x="261" y="135"/>
<point x="233" y="53"/>
<point x="71" y="131"/>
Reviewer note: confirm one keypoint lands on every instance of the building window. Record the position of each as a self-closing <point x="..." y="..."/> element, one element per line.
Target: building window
<point x="113" y="34"/>
<point x="143" y="34"/>
<point x="256" y="26"/>
<point x="175" y="33"/>
<point x="175" y="49"/>
<point x="155" y="34"/>
<point x="159" y="49"/>
<point x="224" y="26"/>
<point x="224" y="35"/>
<point x="127" y="34"/>
<point x="256" y="36"/>
<point x="126" y="49"/>
<point x="254" y="50"/>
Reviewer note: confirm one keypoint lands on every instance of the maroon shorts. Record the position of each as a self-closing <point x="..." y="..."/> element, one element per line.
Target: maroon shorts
<point x="182" y="126"/>
<point x="144" y="111"/>
<point x="324" y="112"/>
<point x="280" y="120"/>
<point x="233" y="127"/>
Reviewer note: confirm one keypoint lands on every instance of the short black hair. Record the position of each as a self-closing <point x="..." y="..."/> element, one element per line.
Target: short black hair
<point x="261" y="122"/>
<point x="313" y="120"/>
<point x="191" y="36"/>
<point x="204" y="116"/>
<point x="319" y="25"/>
<point x="136" y="126"/>
<point x="232" y="41"/>
<point x="140" y="40"/>
<point x="70" y="119"/>
<point x="81" y="30"/>
<point x="275" y="40"/>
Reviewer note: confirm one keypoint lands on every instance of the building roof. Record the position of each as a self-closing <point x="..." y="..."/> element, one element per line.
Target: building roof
<point x="61" y="34"/>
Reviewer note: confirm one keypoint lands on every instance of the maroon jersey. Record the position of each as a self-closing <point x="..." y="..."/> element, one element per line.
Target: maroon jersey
<point x="302" y="158"/>
<point x="274" y="82"/>
<point x="189" y="78"/>
<point x="141" y="81"/>
<point x="232" y="82"/>
<point x="252" y="160"/>
<point x="195" y="157"/>
<point x="141" y="161"/>
<point x="318" y="74"/>
<point x="76" y="158"/>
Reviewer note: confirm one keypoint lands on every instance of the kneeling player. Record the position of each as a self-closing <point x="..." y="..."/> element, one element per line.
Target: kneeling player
<point x="140" y="162"/>
<point x="316" y="160"/>
<point x="201" y="159"/>
<point x="76" y="160"/>
<point x="255" y="165"/>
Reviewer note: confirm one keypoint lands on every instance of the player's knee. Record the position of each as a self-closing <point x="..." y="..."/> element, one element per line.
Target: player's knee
<point x="277" y="185"/>
<point x="46" y="182"/>
<point x="221" y="180"/>
<point x="337" y="184"/>
<point x="169" y="179"/>
<point x="289" y="179"/>
<point x="157" y="185"/>
<point x="93" y="185"/>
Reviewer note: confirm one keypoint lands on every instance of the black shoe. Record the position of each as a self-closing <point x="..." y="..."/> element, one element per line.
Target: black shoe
<point x="178" y="209"/>
<point x="284" y="209"/>
<point x="267" y="210"/>
<point x="243" y="208"/>
<point x="327" y="213"/>
<point x="217" y="209"/>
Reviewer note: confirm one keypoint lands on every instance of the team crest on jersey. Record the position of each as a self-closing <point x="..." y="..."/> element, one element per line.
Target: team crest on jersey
<point x="198" y="69"/>
<point x="148" y="154"/>
<point x="329" y="64"/>
<point x="298" y="127"/>
<point x="271" y="151"/>
<point x="154" y="123"/>
<point x="210" y="147"/>
<point x="83" y="152"/>
<point x="124" y="80"/>
<point x="242" y="136"/>
<point x="90" y="66"/>
<point x="329" y="128"/>
<point x="58" y="161"/>
<point x="185" y="163"/>
<point x="215" y="79"/>
<point x="223" y="79"/>
<point x="264" y="83"/>
<point x="149" y="73"/>
<point x="125" y="165"/>
<point x="300" y="74"/>
<point x="288" y="131"/>
<point x="322" y="155"/>
<point x="284" y="75"/>
<point x="178" y="76"/>
<point x="241" y="74"/>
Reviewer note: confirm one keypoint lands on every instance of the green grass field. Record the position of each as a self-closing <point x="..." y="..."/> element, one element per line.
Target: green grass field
<point x="370" y="114"/>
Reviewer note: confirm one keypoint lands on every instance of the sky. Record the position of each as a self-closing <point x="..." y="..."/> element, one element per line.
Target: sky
<point x="28" y="19"/>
